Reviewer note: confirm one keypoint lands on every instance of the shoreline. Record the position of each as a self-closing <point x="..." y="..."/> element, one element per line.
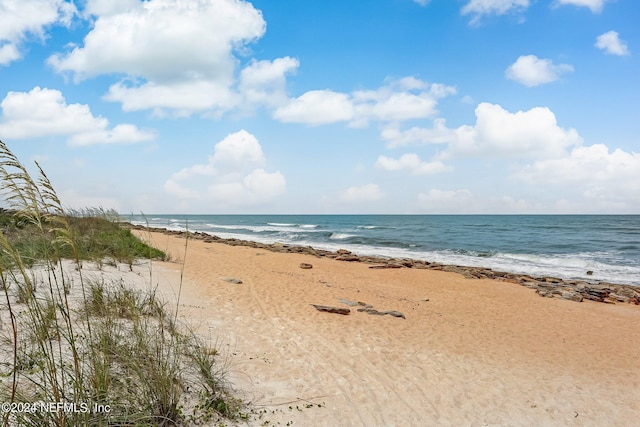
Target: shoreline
<point x="545" y="286"/>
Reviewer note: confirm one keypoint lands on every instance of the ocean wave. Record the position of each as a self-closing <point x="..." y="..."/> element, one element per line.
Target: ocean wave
<point x="255" y="229"/>
<point x="566" y="266"/>
<point x="286" y="224"/>
<point x="629" y="247"/>
<point x="572" y="260"/>
<point x="230" y="227"/>
<point x="341" y="236"/>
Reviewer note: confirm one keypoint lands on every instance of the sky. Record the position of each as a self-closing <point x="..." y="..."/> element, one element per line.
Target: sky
<point x="327" y="106"/>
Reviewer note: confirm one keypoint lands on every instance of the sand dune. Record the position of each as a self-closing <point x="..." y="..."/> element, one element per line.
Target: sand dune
<point x="469" y="353"/>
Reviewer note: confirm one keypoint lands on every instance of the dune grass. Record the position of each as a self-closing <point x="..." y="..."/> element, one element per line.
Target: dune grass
<point x="76" y="351"/>
<point x="95" y="233"/>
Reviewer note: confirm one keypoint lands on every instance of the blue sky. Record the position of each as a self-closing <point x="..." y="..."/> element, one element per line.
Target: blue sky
<point x="384" y="106"/>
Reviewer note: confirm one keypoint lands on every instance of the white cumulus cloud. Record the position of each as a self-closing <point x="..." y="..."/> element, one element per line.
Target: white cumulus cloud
<point x="610" y="42"/>
<point x="595" y="6"/>
<point x="412" y="163"/>
<point x="261" y="185"/>
<point x="599" y="180"/>
<point x="8" y="53"/>
<point x="183" y="57"/>
<point x="109" y="7"/>
<point x="181" y="97"/>
<point x="405" y="99"/>
<point x="234" y="176"/>
<point x="21" y="18"/>
<point x="439" y="134"/>
<point x="530" y="70"/>
<point x="316" y="107"/>
<point x="497" y="132"/>
<point x="236" y="151"/>
<point x="478" y="8"/>
<point x="45" y="112"/>
<point x="400" y="100"/>
<point x="174" y="40"/>
<point x="263" y="82"/>
<point x="119" y="134"/>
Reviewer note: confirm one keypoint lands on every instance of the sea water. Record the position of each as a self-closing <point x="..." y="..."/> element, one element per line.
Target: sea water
<point x="564" y="246"/>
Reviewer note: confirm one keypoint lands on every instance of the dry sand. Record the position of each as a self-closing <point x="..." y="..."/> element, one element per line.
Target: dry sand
<point x="469" y="353"/>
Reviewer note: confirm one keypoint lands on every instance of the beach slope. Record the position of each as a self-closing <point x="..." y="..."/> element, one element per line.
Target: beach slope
<point x="464" y="352"/>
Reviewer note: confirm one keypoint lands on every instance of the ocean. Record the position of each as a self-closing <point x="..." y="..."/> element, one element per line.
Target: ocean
<point x="563" y="246"/>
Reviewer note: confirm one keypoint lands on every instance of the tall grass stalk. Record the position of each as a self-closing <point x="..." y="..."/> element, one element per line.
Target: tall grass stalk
<point x="76" y="340"/>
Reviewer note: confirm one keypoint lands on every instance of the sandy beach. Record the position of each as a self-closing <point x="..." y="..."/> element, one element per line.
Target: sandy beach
<point x="468" y="352"/>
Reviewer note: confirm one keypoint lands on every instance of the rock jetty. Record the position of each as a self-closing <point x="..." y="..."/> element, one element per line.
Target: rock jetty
<point x="550" y="287"/>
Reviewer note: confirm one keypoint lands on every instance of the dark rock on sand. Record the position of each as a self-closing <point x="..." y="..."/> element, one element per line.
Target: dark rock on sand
<point x="305" y="266"/>
<point x="596" y="293"/>
<point x="545" y="289"/>
<point x="328" y="309"/>
<point x="394" y="313"/>
<point x="354" y="303"/>
<point x="627" y="292"/>
<point x="528" y="284"/>
<point x="232" y="280"/>
<point x="572" y="296"/>
<point x="348" y="302"/>
<point x="619" y="298"/>
<point x="348" y="258"/>
<point x="373" y="311"/>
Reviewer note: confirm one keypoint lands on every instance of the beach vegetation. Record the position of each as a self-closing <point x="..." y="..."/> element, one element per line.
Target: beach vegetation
<point x="78" y="350"/>
<point x="96" y="235"/>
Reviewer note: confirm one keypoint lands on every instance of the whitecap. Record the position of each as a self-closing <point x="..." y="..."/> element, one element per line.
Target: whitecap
<point x="341" y="236"/>
<point x="230" y="227"/>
